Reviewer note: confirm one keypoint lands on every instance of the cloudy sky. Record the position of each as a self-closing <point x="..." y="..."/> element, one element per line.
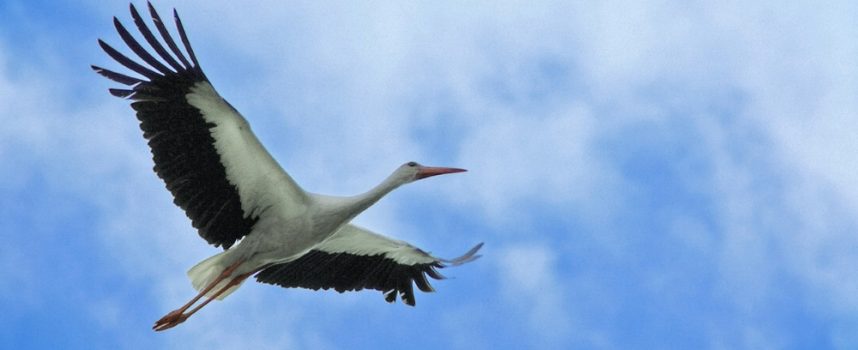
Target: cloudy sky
<point x="657" y="174"/>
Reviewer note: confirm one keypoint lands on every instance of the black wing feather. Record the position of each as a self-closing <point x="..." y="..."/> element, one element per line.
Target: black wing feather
<point x="119" y="78"/>
<point x="166" y="35"/>
<point x="121" y="93"/>
<point x="350" y="272"/>
<point x="127" y="62"/>
<point x="139" y="50"/>
<point x="178" y="135"/>
<point x="184" y="38"/>
<point x="147" y="34"/>
<point x="347" y="272"/>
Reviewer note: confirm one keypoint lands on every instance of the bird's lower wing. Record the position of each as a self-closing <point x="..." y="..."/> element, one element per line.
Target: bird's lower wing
<point x="355" y="258"/>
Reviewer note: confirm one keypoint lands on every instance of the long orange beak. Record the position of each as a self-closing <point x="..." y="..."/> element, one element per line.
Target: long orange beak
<point x="426" y="171"/>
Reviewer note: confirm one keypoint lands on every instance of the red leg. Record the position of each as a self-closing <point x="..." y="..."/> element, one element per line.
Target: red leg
<point x="177" y="316"/>
<point x="235" y="281"/>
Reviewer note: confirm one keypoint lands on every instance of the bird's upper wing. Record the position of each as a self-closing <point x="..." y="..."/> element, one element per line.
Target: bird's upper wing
<point x="355" y="258"/>
<point x="203" y="149"/>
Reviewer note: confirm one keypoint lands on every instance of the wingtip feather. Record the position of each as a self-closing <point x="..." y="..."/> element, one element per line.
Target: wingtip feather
<point x="469" y="256"/>
<point x="121" y="93"/>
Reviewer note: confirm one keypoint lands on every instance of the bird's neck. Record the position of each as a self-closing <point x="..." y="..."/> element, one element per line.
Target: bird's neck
<point x="368" y="198"/>
<point x="340" y="210"/>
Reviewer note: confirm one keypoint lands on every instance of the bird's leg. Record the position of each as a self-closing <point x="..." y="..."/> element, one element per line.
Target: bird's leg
<point x="234" y="282"/>
<point x="177" y="316"/>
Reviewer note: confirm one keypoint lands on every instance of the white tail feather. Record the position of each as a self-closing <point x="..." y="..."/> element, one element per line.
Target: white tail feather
<point x="206" y="271"/>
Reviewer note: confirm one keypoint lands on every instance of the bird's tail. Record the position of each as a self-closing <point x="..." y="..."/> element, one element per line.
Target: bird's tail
<point x="206" y="271"/>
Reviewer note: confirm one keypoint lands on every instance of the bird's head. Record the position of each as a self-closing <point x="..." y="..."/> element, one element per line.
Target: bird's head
<point x="413" y="171"/>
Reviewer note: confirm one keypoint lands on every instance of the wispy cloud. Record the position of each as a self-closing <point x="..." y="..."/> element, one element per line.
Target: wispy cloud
<point x="530" y="280"/>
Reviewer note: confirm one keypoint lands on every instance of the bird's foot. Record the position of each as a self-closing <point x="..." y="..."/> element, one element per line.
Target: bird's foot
<point x="170" y="320"/>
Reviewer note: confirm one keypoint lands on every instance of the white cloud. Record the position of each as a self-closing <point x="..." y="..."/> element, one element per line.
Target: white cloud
<point x="800" y="83"/>
<point x="549" y="160"/>
<point x="819" y="250"/>
<point x="533" y="286"/>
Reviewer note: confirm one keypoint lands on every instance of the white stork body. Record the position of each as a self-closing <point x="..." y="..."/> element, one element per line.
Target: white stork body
<point x="233" y="190"/>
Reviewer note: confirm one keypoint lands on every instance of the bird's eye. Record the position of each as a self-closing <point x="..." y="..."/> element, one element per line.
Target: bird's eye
<point x="412" y="164"/>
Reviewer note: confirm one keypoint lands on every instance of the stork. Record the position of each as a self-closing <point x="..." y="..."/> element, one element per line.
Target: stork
<point x="233" y="190"/>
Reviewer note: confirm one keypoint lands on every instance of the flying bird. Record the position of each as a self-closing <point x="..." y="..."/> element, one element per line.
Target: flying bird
<point x="240" y="199"/>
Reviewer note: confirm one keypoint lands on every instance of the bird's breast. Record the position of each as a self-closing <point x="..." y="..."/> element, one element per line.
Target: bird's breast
<point x="280" y="239"/>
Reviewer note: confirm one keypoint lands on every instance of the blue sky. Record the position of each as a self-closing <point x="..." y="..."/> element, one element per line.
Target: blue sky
<point x="648" y="174"/>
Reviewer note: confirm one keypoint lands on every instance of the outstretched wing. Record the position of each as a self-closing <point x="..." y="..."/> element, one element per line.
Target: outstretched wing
<point x="203" y="149"/>
<point x="355" y="258"/>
